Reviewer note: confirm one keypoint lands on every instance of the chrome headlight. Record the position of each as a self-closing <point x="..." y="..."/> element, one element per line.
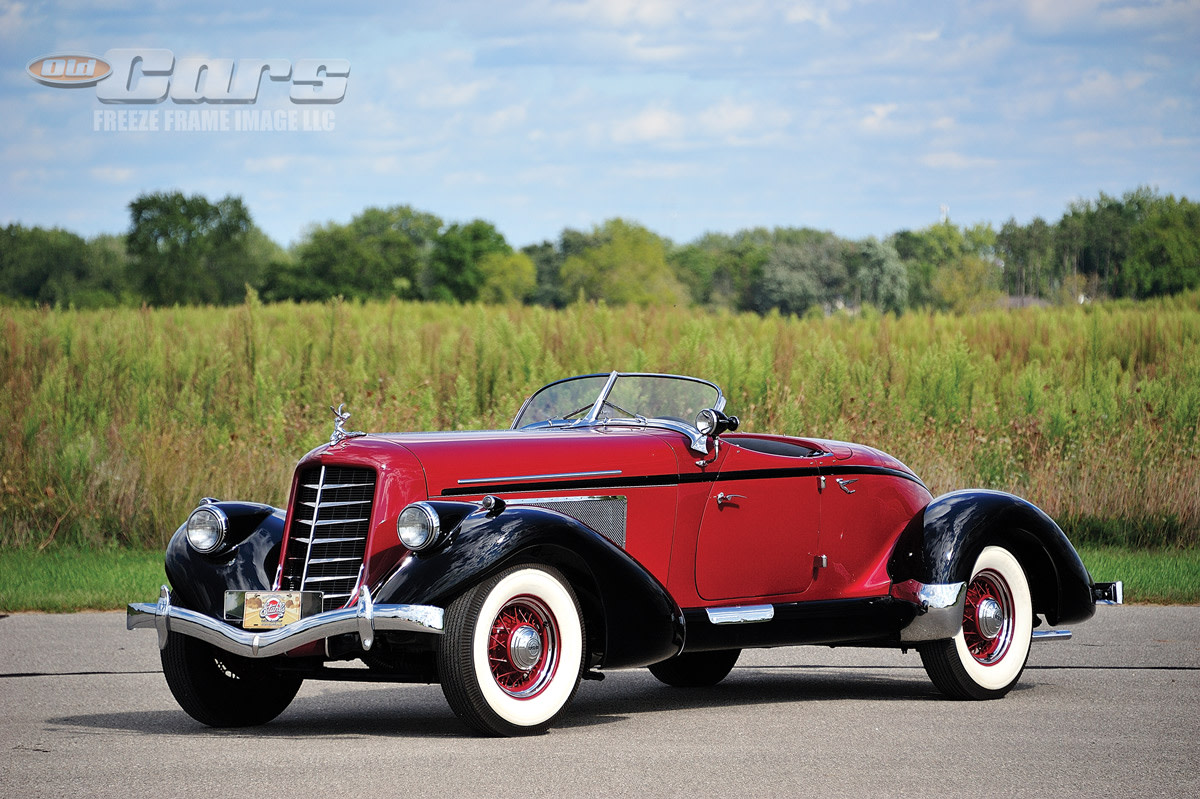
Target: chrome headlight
<point x="418" y="526"/>
<point x="207" y="528"/>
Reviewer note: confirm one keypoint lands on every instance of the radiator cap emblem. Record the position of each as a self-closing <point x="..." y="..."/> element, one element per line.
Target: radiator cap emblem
<point x="340" y="434"/>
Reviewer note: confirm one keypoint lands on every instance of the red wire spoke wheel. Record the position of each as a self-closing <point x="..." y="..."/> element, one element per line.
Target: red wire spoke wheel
<point x="511" y="655"/>
<point x="523" y="647"/>
<point x="987" y="656"/>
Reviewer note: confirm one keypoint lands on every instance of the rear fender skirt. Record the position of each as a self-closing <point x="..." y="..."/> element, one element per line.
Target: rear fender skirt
<point x="632" y="620"/>
<point x="941" y="543"/>
<point x="199" y="582"/>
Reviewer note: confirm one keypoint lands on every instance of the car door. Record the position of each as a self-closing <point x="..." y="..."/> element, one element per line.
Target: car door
<point x="759" y="531"/>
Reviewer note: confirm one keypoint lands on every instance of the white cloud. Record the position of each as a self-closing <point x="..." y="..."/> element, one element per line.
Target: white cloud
<point x="502" y="120"/>
<point x="809" y="12"/>
<point x="12" y="20"/>
<point x="1118" y="16"/>
<point x="1099" y="86"/>
<point x="949" y="159"/>
<point x="652" y="124"/>
<point x="728" y="118"/>
<point x="877" y="119"/>
<point x="274" y="163"/>
<point x="621" y="13"/>
<point x="453" y="95"/>
<point x="652" y="170"/>
<point x="111" y="174"/>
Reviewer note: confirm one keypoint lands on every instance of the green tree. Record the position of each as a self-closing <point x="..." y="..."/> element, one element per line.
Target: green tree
<point x="622" y="263"/>
<point x="723" y="271"/>
<point x="1027" y="252"/>
<point x="454" y="270"/>
<point x="185" y="249"/>
<point x="879" y="276"/>
<point x="382" y="252"/>
<point x="41" y="265"/>
<point x="968" y="285"/>
<point x="804" y="268"/>
<point x="1164" y="249"/>
<point x="507" y="277"/>
<point x="929" y="251"/>
<point x="547" y="262"/>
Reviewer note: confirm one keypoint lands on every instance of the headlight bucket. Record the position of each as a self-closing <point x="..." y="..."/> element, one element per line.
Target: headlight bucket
<point x="418" y="526"/>
<point x="207" y="529"/>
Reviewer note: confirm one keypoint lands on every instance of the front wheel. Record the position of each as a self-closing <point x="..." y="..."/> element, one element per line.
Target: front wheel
<point x="986" y="658"/>
<point x="696" y="669"/>
<point x="511" y="655"/>
<point x="221" y="689"/>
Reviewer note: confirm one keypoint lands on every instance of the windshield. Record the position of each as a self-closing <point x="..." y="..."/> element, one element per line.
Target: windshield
<point x="629" y="396"/>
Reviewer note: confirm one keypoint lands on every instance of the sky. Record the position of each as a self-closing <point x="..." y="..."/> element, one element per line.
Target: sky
<point x="686" y="116"/>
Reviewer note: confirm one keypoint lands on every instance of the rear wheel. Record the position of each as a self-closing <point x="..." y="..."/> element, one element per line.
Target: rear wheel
<point x="986" y="658"/>
<point x="221" y="689"/>
<point x="696" y="669"/>
<point x="511" y="655"/>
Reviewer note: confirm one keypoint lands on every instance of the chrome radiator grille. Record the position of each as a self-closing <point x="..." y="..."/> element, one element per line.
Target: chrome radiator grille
<point x="328" y="536"/>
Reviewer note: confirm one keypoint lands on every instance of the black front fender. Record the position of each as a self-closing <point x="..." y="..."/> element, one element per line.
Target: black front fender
<point x="247" y="562"/>
<point x="631" y="619"/>
<point x="941" y="544"/>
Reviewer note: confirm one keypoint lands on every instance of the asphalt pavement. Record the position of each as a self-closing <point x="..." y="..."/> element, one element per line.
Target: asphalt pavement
<point x="1114" y="712"/>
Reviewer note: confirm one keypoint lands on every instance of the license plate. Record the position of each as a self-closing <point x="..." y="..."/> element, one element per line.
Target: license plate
<point x="267" y="610"/>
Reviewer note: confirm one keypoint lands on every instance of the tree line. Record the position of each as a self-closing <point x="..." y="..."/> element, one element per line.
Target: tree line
<point x="183" y="249"/>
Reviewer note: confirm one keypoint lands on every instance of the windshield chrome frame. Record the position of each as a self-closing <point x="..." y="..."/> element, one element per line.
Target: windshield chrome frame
<point x="697" y="441"/>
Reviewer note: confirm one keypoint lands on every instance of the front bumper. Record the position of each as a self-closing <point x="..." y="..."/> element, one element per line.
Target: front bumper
<point x="364" y="618"/>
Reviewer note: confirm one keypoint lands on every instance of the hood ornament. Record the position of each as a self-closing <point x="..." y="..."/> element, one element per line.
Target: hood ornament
<point x="340" y="433"/>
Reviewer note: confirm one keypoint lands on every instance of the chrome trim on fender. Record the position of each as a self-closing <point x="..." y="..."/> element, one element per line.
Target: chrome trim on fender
<point x="742" y="614"/>
<point x="939" y="609"/>
<point x="511" y="478"/>
<point x="364" y="618"/>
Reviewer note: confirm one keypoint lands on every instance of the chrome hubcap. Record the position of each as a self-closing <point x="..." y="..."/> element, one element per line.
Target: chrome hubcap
<point x="990" y="618"/>
<point x="525" y="647"/>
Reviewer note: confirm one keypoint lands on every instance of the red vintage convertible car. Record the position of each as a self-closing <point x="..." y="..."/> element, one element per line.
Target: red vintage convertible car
<point x="621" y="522"/>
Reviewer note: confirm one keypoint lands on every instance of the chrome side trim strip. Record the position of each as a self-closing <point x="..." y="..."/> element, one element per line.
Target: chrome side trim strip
<point x="364" y="618"/>
<point x="536" y="500"/>
<point x="510" y="478"/>
<point x="743" y="614"/>
<point x="939" y="609"/>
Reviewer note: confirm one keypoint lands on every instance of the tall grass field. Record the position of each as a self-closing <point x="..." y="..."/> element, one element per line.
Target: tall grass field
<point x="116" y="422"/>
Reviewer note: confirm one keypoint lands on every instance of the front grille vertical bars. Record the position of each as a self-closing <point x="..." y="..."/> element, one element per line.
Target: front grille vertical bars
<point x="312" y="530"/>
<point x="327" y="546"/>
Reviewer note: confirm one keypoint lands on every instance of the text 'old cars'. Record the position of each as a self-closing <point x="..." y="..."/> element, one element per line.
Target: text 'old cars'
<point x="622" y="521"/>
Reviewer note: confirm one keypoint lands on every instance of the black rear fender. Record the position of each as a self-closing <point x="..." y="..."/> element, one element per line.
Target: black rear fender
<point x="941" y="543"/>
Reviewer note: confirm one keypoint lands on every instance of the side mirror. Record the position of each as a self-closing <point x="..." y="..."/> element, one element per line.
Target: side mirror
<point x="712" y="422"/>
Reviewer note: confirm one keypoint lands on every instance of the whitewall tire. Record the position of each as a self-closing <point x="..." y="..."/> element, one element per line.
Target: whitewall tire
<point x="987" y="656"/>
<point x="511" y="655"/>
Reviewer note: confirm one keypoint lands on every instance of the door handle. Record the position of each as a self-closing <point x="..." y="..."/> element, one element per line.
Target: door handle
<point x="731" y="499"/>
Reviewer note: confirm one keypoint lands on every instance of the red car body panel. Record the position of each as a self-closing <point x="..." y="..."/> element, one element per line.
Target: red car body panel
<point x="762" y="545"/>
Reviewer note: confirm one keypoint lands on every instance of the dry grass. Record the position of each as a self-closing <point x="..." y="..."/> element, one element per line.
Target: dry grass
<point x="118" y="421"/>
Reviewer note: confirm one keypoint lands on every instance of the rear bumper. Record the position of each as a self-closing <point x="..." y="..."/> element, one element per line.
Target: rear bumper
<point x="364" y="618"/>
<point x="1109" y="593"/>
